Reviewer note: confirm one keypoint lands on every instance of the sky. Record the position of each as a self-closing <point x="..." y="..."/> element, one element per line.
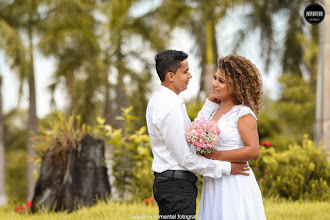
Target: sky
<point x="44" y="67"/>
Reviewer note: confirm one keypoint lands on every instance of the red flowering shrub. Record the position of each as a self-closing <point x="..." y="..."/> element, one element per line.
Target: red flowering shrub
<point x="24" y="208"/>
<point x="266" y="143"/>
<point x="19" y="209"/>
<point x="28" y="204"/>
<point x="149" y="201"/>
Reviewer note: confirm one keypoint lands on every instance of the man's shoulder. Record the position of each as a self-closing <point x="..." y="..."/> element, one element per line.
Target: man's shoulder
<point x="159" y="100"/>
<point x="160" y="106"/>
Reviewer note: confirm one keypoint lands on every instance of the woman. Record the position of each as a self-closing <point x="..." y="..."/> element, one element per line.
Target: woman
<point x="237" y="85"/>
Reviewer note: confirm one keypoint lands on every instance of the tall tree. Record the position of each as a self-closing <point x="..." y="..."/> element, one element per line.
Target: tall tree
<point x="323" y="83"/>
<point x="11" y="41"/>
<point x="89" y="41"/>
<point x="28" y="15"/>
<point x="3" y="195"/>
<point x="262" y="17"/>
<point x="297" y="53"/>
<point x="25" y="17"/>
<point x="118" y="16"/>
<point x="125" y="29"/>
<point x="69" y="35"/>
<point x="32" y="20"/>
<point x="199" y="18"/>
<point x="15" y="53"/>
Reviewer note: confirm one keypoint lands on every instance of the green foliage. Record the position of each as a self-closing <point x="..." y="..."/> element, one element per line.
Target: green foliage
<point x="301" y="172"/>
<point x="16" y="157"/>
<point x="15" y="130"/>
<point x="296" y="106"/>
<point x="68" y="34"/>
<point x="271" y="129"/>
<point x="131" y="156"/>
<point x="16" y="162"/>
<point x="280" y="142"/>
<point x="193" y="108"/>
<point x="138" y="99"/>
<point x="268" y="126"/>
<point x="58" y="136"/>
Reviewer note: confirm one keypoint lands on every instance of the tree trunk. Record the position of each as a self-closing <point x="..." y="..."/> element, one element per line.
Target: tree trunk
<point x="49" y="187"/>
<point x="121" y="96"/>
<point x="32" y="120"/>
<point x="210" y="67"/>
<point x="323" y="82"/>
<point x="82" y="181"/>
<point x="86" y="179"/>
<point x="3" y="195"/>
<point x="108" y="112"/>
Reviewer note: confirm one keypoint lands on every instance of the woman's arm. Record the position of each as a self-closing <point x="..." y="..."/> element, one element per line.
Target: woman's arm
<point x="247" y="127"/>
<point x="210" y="106"/>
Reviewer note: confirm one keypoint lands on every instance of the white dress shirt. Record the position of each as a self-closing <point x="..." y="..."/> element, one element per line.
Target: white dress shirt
<point x="167" y="121"/>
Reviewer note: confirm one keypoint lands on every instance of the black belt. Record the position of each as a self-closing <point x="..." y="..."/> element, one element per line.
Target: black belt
<point x="178" y="174"/>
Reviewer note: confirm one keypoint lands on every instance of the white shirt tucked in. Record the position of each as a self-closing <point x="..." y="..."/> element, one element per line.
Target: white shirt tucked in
<point x="167" y="121"/>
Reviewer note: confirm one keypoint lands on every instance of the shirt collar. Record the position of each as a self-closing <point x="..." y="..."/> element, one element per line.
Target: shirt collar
<point x="170" y="94"/>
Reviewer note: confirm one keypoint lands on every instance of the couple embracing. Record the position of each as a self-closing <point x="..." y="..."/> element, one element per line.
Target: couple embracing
<point x="230" y="190"/>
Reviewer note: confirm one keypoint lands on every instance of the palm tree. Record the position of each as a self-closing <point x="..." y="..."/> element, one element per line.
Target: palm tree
<point x="290" y="50"/>
<point x="89" y="51"/>
<point x="69" y="35"/>
<point x="11" y="43"/>
<point x="298" y="55"/>
<point x="200" y="18"/>
<point x="124" y="29"/>
<point x="33" y="18"/>
<point x="24" y="17"/>
<point x="29" y="19"/>
<point x="3" y="195"/>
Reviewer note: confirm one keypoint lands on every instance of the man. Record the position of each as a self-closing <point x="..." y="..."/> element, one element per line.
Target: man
<point x="167" y="120"/>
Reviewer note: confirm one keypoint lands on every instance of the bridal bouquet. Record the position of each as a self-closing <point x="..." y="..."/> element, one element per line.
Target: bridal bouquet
<point x="204" y="135"/>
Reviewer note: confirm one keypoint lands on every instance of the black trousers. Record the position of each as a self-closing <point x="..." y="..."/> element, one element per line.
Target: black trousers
<point x="175" y="196"/>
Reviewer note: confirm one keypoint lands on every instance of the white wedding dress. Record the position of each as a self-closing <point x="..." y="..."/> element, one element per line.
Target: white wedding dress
<point x="233" y="197"/>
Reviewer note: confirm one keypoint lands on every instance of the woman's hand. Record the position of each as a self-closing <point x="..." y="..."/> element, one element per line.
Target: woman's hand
<point x="247" y="127"/>
<point x="215" y="155"/>
<point x="212" y="98"/>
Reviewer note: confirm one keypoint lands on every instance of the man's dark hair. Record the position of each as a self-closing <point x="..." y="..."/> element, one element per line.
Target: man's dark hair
<point x="168" y="61"/>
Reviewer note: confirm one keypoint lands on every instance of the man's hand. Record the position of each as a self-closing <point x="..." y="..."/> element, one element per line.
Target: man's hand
<point x="213" y="99"/>
<point x="239" y="168"/>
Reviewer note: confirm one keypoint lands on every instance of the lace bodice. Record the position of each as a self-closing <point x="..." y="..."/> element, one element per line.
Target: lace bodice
<point x="229" y="137"/>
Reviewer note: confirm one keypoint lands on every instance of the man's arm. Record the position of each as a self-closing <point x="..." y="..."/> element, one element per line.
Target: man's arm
<point x="173" y="134"/>
<point x="172" y="130"/>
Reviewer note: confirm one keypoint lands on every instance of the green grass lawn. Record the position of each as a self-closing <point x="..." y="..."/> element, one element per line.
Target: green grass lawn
<point x="275" y="209"/>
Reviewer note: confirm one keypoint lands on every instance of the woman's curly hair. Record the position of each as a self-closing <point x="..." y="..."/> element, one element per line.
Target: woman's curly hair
<point x="244" y="80"/>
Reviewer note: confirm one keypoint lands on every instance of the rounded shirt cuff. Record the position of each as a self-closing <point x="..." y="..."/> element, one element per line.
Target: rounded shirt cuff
<point x="211" y="104"/>
<point x="225" y="168"/>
